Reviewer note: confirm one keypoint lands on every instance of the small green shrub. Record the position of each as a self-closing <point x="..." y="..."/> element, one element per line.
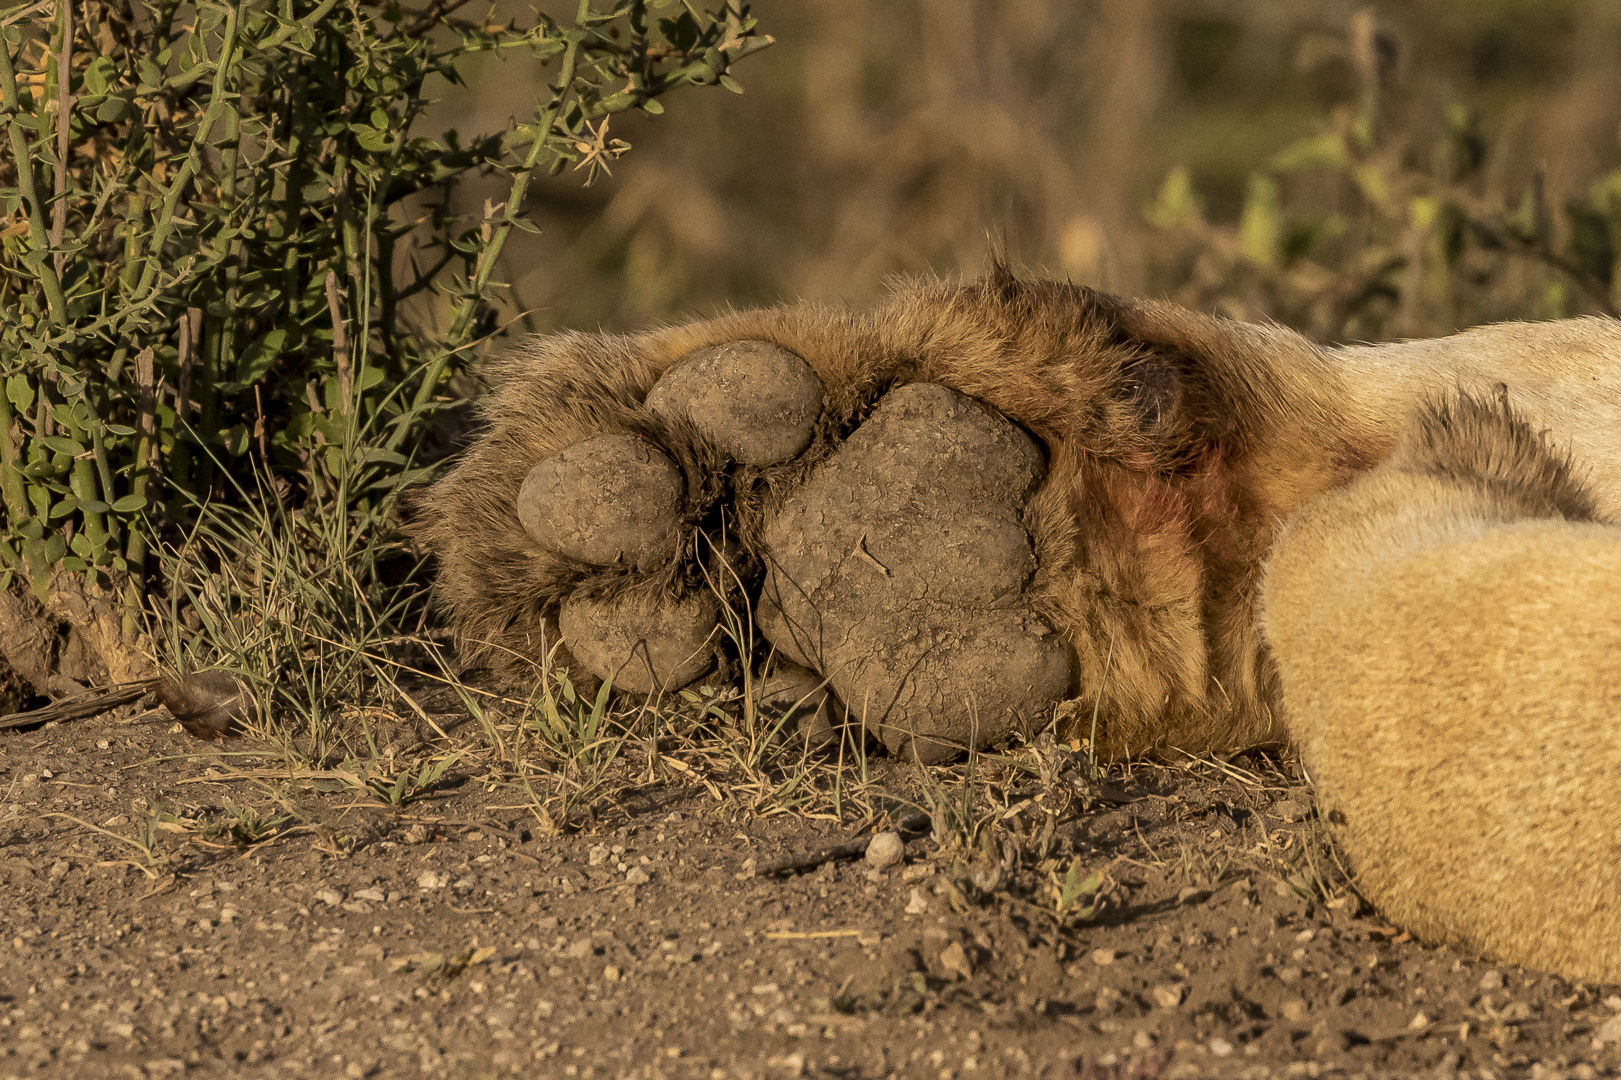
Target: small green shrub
<point x="225" y="247"/>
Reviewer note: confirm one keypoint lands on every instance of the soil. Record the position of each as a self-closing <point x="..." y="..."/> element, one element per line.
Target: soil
<point x="449" y="937"/>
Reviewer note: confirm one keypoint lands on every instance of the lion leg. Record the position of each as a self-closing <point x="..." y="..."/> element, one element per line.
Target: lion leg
<point x="869" y="528"/>
<point x="958" y="510"/>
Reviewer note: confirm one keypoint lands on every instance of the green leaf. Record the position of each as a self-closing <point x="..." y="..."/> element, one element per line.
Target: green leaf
<point x="63" y="446"/>
<point x="1261" y="228"/>
<point x="1322" y="151"/>
<point x="259" y="356"/>
<point x="20" y="392"/>
<point x="235" y="439"/>
<point x="1074" y="888"/>
<point x="114" y="109"/>
<point x="378" y="142"/>
<point x="301" y="426"/>
<point x="129" y="504"/>
<point x="99" y="75"/>
<point x="1177" y="204"/>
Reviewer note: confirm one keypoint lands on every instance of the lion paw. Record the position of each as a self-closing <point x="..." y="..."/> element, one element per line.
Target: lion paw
<point x="891" y="566"/>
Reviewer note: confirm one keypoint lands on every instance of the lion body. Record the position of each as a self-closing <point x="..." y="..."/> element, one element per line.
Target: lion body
<point x="1447" y="632"/>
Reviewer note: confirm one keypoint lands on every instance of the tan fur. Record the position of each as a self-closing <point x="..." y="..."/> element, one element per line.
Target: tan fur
<point x="1447" y="632"/>
<point x="1177" y="443"/>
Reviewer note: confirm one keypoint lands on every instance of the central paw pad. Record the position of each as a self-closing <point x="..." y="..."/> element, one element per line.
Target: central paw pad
<point x="899" y="570"/>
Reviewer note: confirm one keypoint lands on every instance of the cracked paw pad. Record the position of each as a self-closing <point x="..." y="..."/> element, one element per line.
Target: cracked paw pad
<point x="898" y="570"/>
<point x="645" y="644"/>
<point x="757" y="403"/>
<point x="610" y="499"/>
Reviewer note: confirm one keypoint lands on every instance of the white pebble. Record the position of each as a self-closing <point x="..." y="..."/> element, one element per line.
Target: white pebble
<point x="1169" y="995"/>
<point x="885" y="850"/>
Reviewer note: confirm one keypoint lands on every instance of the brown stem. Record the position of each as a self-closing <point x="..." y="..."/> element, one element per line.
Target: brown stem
<point x="64" y="134"/>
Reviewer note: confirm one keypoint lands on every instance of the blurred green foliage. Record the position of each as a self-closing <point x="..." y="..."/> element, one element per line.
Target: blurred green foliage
<point x="1399" y="239"/>
<point x="217" y="258"/>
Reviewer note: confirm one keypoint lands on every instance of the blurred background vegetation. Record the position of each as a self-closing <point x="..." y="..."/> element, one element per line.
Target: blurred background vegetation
<point x="900" y="136"/>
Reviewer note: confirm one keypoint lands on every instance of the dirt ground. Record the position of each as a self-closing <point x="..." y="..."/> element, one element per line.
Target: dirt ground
<point x="449" y="938"/>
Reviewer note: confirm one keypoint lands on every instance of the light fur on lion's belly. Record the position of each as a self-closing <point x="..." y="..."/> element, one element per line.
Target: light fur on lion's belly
<point x="1172" y="446"/>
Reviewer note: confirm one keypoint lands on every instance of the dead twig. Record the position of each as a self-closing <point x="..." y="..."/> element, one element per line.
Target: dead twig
<point x="92" y="702"/>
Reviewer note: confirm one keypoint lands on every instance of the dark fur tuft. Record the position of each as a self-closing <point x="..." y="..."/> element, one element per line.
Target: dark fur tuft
<point x="1471" y="440"/>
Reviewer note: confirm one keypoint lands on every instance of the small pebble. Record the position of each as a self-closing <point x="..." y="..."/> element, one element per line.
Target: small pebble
<point x="955" y="960"/>
<point x="1169" y="995"/>
<point x="1103" y="957"/>
<point x="885" y="850"/>
<point x="1608" y="1032"/>
<point x="1294" y="1010"/>
<point x="1220" y="1047"/>
<point x="1419" y="1020"/>
<point x="1492" y="980"/>
<point x="917" y="905"/>
<point x="330" y="897"/>
<point x="597" y="856"/>
<point x="637" y="876"/>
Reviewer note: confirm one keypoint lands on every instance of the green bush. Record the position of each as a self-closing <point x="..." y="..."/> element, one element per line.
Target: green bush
<point x="227" y="249"/>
